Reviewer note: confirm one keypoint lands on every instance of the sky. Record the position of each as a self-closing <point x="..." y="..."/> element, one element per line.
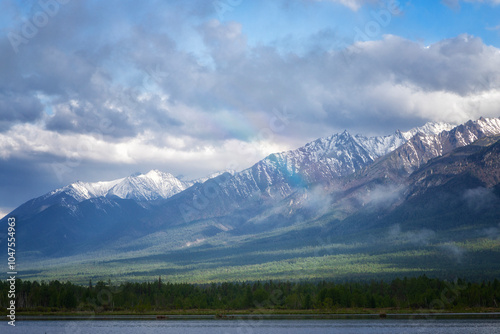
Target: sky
<point x="98" y="90"/>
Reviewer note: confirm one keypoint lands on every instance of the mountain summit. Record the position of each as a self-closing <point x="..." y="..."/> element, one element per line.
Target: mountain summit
<point x="140" y="187"/>
<point x="432" y="189"/>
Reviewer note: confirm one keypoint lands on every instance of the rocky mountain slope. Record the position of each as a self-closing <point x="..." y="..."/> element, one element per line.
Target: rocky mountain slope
<point x="343" y="187"/>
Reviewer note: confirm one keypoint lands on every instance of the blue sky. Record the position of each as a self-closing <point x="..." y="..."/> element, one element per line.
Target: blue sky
<point x="97" y="90"/>
<point x="424" y="21"/>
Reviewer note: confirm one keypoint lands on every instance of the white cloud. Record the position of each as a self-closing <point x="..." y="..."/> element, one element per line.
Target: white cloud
<point x="381" y="196"/>
<point x="352" y="4"/>
<point x="453" y="251"/>
<point x="71" y="150"/>
<point x="480" y="198"/>
<point x="135" y="98"/>
<point x="456" y="3"/>
<point x="417" y="237"/>
<point x="493" y="28"/>
<point x="491" y="2"/>
<point x="208" y="116"/>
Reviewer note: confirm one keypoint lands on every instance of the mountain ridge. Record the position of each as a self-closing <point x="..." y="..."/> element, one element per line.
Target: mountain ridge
<point x="343" y="187"/>
<point x="156" y="184"/>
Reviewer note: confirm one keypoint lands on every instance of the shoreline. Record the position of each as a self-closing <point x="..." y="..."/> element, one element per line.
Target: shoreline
<point x="262" y="316"/>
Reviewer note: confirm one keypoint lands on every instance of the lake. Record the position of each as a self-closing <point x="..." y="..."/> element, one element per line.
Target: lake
<point x="448" y="326"/>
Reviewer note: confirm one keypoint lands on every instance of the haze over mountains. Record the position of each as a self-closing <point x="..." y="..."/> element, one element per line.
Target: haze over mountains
<point x="426" y="200"/>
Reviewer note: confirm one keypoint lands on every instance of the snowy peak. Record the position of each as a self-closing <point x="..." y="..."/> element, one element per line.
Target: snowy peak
<point x="326" y="159"/>
<point x="345" y="144"/>
<point x="381" y="145"/>
<point x="429" y="128"/>
<point x="85" y="190"/>
<point x="422" y="147"/>
<point x="141" y="187"/>
<point x="151" y="186"/>
<point x="322" y="161"/>
<point x="146" y="187"/>
<point x="211" y="176"/>
<point x="488" y="126"/>
<point x="471" y="131"/>
<point x="325" y="147"/>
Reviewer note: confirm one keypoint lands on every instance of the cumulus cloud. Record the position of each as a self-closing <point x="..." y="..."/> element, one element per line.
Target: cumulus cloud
<point x="459" y="76"/>
<point x="182" y="91"/>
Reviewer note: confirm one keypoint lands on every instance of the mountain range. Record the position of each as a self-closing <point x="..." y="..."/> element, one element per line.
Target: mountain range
<point x="422" y="201"/>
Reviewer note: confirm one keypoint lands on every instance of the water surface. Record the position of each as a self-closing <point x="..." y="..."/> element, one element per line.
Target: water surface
<point x="469" y="326"/>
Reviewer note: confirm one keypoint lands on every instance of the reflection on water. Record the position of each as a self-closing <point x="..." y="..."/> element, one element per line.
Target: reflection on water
<point x="256" y="327"/>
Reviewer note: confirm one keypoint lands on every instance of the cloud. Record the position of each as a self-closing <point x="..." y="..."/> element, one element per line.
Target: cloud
<point x="352" y="4"/>
<point x="493" y="28"/>
<point x="18" y="108"/>
<point x="318" y="200"/>
<point x="456" y="3"/>
<point x="451" y="3"/>
<point x="453" y="251"/>
<point x="145" y="80"/>
<point x="225" y="41"/>
<point x="418" y="237"/>
<point x="480" y="198"/>
<point x="164" y="85"/>
<point x="492" y="232"/>
<point x="381" y="196"/>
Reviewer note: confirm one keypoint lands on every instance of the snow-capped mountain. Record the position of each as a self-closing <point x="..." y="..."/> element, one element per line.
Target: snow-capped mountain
<point x="345" y="154"/>
<point x="422" y="147"/>
<point x="140" y="187"/>
<point x="82" y="191"/>
<point x="321" y="161"/>
<point x="211" y="176"/>
<point x="146" y="187"/>
<point x="429" y="128"/>
<point x="340" y="186"/>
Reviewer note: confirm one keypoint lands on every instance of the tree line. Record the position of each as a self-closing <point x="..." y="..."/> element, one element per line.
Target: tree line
<point x="406" y="293"/>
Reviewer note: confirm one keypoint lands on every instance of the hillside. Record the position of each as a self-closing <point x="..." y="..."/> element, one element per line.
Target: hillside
<point x="424" y="201"/>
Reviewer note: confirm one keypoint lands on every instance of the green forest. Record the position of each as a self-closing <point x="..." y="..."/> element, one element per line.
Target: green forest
<point x="408" y="293"/>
